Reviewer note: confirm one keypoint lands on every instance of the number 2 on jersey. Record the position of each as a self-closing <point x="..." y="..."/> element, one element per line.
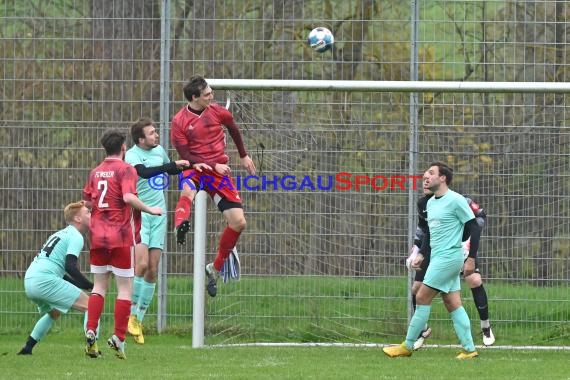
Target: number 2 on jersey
<point x="102" y="185"/>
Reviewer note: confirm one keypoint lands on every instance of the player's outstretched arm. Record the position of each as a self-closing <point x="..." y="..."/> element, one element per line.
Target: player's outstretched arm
<point x="137" y="204"/>
<point x="171" y="168"/>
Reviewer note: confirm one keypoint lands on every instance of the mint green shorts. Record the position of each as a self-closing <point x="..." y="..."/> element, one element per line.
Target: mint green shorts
<point x="153" y="230"/>
<point x="51" y="292"/>
<point x="443" y="273"/>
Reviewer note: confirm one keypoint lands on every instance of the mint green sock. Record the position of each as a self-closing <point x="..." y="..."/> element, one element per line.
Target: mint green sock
<point x="42" y="327"/>
<point x="145" y="299"/>
<point x="137" y="292"/>
<point x="417" y="323"/>
<point x="462" y="327"/>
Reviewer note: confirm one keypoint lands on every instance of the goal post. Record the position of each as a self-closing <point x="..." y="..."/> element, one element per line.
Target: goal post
<point x="200" y="211"/>
<point x="326" y="264"/>
<point x="389" y="86"/>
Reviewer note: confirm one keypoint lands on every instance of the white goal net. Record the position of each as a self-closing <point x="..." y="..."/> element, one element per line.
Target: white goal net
<point x="327" y="264"/>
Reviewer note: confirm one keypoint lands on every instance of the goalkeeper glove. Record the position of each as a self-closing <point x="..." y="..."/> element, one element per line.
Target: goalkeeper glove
<point x="466" y="246"/>
<point x="413" y="254"/>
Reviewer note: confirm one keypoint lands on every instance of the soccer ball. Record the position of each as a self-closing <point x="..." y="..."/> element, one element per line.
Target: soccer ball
<point x="321" y="39"/>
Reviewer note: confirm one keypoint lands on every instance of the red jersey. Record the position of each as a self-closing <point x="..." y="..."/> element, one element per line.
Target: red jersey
<point x="113" y="222"/>
<point x="200" y="138"/>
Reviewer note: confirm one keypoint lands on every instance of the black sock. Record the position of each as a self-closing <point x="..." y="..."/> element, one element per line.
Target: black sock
<point x="27" y="349"/>
<point x="480" y="298"/>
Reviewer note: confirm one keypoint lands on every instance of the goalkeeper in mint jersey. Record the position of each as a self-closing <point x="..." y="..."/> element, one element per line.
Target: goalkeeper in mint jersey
<point x="150" y="161"/>
<point x="474" y="281"/>
<point x="448" y="217"/>
<point x="53" y="280"/>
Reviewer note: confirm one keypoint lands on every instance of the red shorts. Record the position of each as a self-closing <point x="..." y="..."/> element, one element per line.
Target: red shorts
<point x="216" y="185"/>
<point x="118" y="260"/>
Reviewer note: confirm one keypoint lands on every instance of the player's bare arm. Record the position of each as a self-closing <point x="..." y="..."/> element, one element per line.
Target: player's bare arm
<point x="138" y="205"/>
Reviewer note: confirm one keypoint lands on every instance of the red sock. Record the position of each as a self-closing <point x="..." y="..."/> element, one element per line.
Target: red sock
<point x="227" y="243"/>
<point x="122" y="313"/>
<point x="94" y="311"/>
<point x="182" y="210"/>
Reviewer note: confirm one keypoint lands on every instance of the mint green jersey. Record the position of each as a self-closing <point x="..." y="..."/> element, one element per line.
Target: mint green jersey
<point x="50" y="260"/>
<point x="446" y="217"/>
<point x="149" y="158"/>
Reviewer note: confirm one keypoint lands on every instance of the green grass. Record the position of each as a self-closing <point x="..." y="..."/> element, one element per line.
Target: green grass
<point x="60" y="355"/>
<point x="330" y="310"/>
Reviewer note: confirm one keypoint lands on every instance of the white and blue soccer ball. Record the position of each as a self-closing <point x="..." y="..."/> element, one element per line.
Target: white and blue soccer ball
<point x="321" y="39"/>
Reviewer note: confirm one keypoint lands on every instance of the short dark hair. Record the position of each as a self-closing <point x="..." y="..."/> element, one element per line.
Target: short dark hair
<point x="137" y="129"/>
<point x="194" y="87"/>
<point x="112" y="141"/>
<point x="444" y="170"/>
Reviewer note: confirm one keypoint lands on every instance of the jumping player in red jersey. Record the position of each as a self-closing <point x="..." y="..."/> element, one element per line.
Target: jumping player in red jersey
<point x="198" y="135"/>
<point x="111" y="191"/>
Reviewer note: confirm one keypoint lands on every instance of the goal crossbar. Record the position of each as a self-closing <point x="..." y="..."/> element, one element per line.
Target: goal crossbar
<point x="388" y="86"/>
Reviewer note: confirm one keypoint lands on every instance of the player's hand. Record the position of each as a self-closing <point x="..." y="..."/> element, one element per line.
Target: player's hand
<point x="155" y="210"/>
<point x="200" y="167"/>
<point x="248" y="164"/>
<point x="182" y="164"/>
<point x="413" y="254"/>
<point x="417" y="262"/>
<point x="469" y="267"/>
<point x="466" y="246"/>
<point x="223" y="169"/>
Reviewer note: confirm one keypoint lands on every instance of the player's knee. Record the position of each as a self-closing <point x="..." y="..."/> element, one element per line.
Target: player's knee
<point x="54" y="314"/>
<point x="141" y="266"/>
<point x="474" y="280"/>
<point x="188" y="192"/>
<point x="82" y="302"/>
<point x="452" y="301"/>
<point x="238" y="224"/>
<point x="124" y="293"/>
<point x="422" y="298"/>
<point x="151" y="274"/>
<point x="415" y="287"/>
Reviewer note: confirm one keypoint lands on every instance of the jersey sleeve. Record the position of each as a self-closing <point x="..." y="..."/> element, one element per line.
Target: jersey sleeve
<point x="422" y="214"/>
<point x="463" y="211"/>
<point x="75" y="245"/>
<point x="129" y="180"/>
<point x="227" y="119"/>
<point x="179" y="140"/>
<point x="87" y="191"/>
<point x="132" y="158"/>
<point x="165" y="158"/>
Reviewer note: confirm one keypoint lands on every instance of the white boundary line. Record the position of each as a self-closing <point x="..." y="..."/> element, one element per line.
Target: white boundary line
<point x="380" y="345"/>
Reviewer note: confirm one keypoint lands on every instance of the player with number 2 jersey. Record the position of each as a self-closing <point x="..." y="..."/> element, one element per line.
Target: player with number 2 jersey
<point x="114" y="223"/>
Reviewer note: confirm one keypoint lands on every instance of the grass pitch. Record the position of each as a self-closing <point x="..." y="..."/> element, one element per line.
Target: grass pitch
<point x="60" y="355"/>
